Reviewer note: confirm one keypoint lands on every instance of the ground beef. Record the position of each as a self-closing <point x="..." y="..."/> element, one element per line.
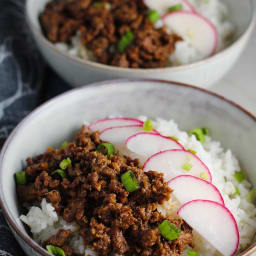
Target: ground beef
<point x="110" y="219"/>
<point x="101" y="25"/>
<point x="60" y="238"/>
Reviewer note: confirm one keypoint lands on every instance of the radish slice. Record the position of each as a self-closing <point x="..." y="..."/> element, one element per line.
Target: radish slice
<point x="163" y="5"/>
<point x="187" y="6"/>
<point x="146" y="144"/>
<point x="195" y="189"/>
<point x="202" y="34"/>
<point x="118" y="135"/>
<point x="113" y="122"/>
<point x="214" y="222"/>
<point x="177" y="162"/>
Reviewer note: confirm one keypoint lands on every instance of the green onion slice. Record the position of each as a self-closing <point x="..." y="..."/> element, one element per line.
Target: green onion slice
<point x="174" y="8"/>
<point x="237" y="191"/>
<point x="64" y="144"/>
<point x="239" y="176"/>
<point x="125" y="41"/>
<point x="129" y="181"/>
<point x="54" y="250"/>
<point x="192" y="253"/>
<point x="60" y="172"/>
<point x="21" y="178"/>
<point x="168" y="230"/>
<point x="106" y="147"/>
<point x="154" y="16"/>
<point x="198" y="132"/>
<point x="251" y="196"/>
<point x="205" y="131"/>
<point x="100" y="4"/>
<point x="65" y="163"/>
<point x="174" y="138"/>
<point x="97" y="4"/>
<point x="148" y="125"/>
<point x="187" y="166"/>
<point x="192" y="151"/>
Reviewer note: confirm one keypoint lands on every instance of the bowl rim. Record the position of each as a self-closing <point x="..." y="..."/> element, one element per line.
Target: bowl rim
<point x="3" y="205"/>
<point x="107" y="68"/>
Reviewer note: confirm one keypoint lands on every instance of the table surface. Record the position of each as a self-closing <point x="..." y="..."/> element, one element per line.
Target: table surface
<point x="239" y="84"/>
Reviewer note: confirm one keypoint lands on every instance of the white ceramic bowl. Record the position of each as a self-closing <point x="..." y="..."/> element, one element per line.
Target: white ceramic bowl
<point x="203" y="73"/>
<point x="57" y="120"/>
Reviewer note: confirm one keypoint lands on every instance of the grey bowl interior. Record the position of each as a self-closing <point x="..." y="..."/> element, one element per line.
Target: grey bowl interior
<point x="57" y="120"/>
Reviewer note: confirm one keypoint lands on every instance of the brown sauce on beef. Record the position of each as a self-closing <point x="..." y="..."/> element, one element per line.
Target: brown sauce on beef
<point x="110" y="218"/>
<point x="101" y="28"/>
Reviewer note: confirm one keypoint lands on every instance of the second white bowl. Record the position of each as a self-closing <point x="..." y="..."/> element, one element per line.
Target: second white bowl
<point x="203" y="73"/>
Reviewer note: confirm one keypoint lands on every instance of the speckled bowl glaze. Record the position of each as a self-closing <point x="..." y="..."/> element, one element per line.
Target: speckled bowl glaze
<point x="57" y="120"/>
<point x="204" y="73"/>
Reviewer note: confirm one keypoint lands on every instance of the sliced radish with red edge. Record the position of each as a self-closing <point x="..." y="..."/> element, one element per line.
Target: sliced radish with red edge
<point x="146" y="144"/>
<point x="102" y="124"/>
<point x="214" y="222"/>
<point x="177" y="162"/>
<point x="188" y="6"/>
<point x="163" y="5"/>
<point x="195" y="188"/>
<point x="118" y="135"/>
<point x="202" y="33"/>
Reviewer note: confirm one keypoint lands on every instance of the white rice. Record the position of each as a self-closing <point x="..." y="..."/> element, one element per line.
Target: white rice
<point x="44" y="222"/>
<point x="214" y="10"/>
<point x="76" y="48"/>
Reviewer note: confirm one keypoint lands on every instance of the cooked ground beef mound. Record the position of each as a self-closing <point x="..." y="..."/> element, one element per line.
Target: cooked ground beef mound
<point x="102" y="24"/>
<point x="110" y="218"/>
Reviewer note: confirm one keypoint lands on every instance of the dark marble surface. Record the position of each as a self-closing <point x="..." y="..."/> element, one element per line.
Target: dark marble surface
<point x="25" y="83"/>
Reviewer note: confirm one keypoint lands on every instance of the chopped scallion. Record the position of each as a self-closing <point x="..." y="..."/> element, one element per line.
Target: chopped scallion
<point x="97" y="4"/>
<point x="192" y="253"/>
<point x="205" y="131"/>
<point x="203" y="176"/>
<point x="174" y="138"/>
<point x="192" y="151"/>
<point x="154" y="16"/>
<point x="174" y="8"/>
<point x="21" y="178"/>
<point x="198" y="133"/>
<point x="237" y="191"/>
<point x="187" y="166"/>
<point x="101" y="4"/>
<point x="239" y="176"/>
<point x="64" y="144"/>
<point x="148" y="125"/>
<point x="65" y="163"/>
<point x="129" y="181"/>
<point x="60" y="172"/>
<point x="251" y="196"/>
<point x="54" y="250"/>
<point x="125" y="41"/>
<point x="168" y="230"/>
<point x="107" y="148"/>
